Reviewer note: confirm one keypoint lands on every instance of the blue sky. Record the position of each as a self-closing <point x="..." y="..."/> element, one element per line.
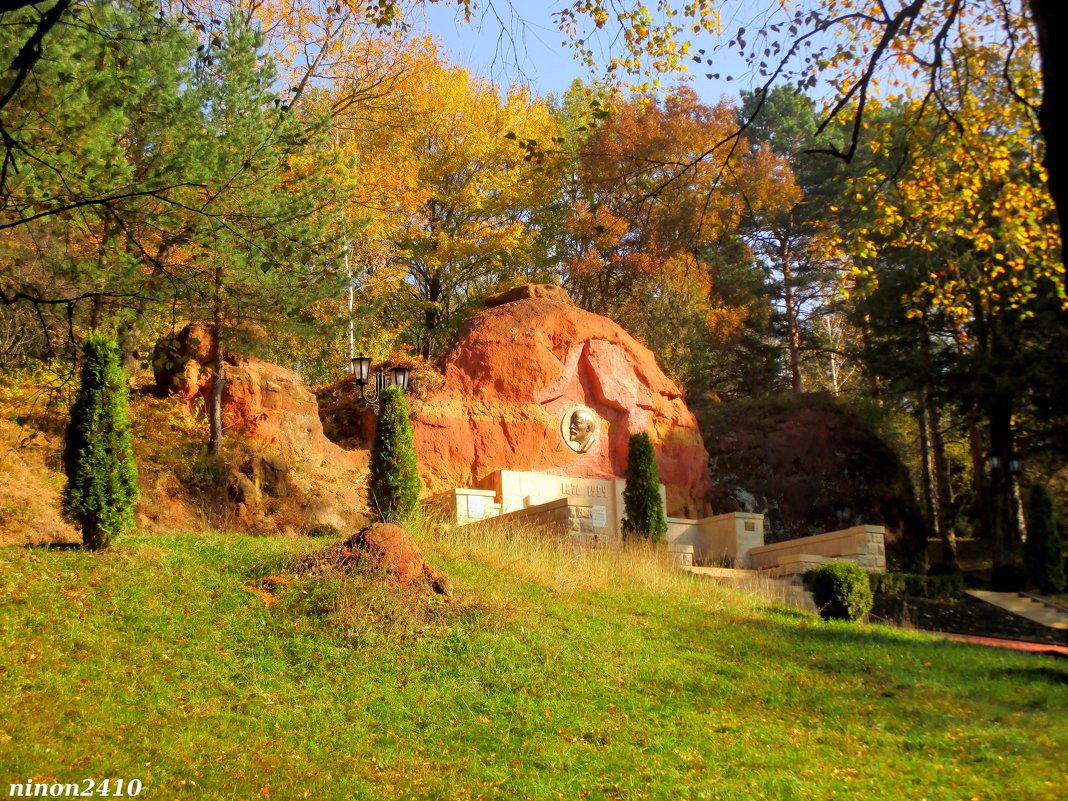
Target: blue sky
<point x="505" y="47"/>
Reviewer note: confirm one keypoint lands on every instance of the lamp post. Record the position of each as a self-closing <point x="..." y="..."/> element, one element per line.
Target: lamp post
<point x="372" y="395"/>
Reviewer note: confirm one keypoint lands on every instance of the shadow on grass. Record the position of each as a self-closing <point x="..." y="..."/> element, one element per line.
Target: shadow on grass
<point x="1042" y="674"/>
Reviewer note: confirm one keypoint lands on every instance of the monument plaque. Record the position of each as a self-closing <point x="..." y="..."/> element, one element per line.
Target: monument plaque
<point x="600" y="517"/>
<point x="476" y="507"/>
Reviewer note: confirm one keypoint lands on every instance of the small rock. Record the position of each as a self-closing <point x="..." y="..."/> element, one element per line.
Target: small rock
<point x="438" y="581"/>
<point x="241" y="489"/>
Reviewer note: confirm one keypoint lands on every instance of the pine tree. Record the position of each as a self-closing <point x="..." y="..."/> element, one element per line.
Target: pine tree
<point x="1044" y="551"/>
<point x="394" y="486"/>
<point x="644" y="508"/>
<point x="98" y="455"/>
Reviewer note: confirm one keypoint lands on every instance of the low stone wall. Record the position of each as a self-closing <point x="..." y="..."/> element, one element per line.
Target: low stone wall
<point x="720" y="538"/>
<point x="864" y="545"/>
<point x="561" y="517"/>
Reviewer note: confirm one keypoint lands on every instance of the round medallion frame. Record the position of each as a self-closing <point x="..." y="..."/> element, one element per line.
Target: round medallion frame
<point x="580" y="428"/>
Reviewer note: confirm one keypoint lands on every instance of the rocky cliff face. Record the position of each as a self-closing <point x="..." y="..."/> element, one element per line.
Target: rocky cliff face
<point x="810" y="466"/>
<point x="516" y="369"/>
<point x="271" y="413"/>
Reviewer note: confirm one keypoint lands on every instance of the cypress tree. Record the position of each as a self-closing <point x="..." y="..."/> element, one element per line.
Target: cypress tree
<point x="393" y="491"/>
<point x="97" y="454"/>
<point x="643" y="506"/>
<point x="1044" y="550"/>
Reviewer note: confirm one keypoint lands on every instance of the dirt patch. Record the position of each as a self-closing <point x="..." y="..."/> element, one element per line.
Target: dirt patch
<point x="31" y="484"/>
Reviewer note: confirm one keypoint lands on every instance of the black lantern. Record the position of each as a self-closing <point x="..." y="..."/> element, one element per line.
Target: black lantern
<point x="361" y="368"/>
<point x="400" y="377"/>
<point x="361" y="371"/>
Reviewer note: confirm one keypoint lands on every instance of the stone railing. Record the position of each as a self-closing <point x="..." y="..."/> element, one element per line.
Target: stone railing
<point x="864" y="545"/>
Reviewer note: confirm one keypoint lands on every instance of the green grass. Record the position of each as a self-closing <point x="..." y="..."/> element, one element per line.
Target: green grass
<point x="549" y="675"/>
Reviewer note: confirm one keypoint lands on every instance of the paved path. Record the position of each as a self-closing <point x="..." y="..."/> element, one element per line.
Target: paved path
<point x="1016" y="645"/>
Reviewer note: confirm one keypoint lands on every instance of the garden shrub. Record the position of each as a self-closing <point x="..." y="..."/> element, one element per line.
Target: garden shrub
<point x="946" y="586"/>
<point x="642" y="504"/>
<point x="394" y="486"/>
<point x="1044" y="549"/>
<point x="841" y="591"/>
<point x="97" y="450"/>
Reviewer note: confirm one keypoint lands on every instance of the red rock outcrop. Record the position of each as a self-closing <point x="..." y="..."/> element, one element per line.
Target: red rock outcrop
<point x="811" y="465"/>
<point x="516" y="368"/>
<point x="263" y="401"/>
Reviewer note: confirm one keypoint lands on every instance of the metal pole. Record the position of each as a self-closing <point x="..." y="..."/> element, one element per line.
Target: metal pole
<point x="352" y="333"/>
<point x="348" y="267"/>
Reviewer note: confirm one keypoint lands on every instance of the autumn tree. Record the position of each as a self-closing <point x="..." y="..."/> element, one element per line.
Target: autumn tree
<point x="652" y="255"/>
<point x="463" y="221"/>
<point x="975" y="201"/>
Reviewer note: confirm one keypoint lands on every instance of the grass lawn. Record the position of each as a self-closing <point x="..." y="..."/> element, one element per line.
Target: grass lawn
<point x="549" y="674"/>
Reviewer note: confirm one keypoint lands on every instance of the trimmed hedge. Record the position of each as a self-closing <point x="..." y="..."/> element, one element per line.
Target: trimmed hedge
<point x="841" y="590"/>
<point x="98" y="455"/>
<point x="642" y="504"/>
<point x="945" y="587"/>
<point x="394" y="486"/>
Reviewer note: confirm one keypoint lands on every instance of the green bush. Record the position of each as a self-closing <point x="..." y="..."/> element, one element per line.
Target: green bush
<point x="394" y="487"/>
<point x="642" y="504"/>
<point x="841" y="590"/>
<point x="1044" y="549"/>
<point x="322" y="530"/>
<point x="946" y="586"/>
<point x="97" y="451"/>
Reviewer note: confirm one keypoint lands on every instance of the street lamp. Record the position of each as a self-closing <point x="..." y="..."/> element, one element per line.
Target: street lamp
<point x="372" y="396"/>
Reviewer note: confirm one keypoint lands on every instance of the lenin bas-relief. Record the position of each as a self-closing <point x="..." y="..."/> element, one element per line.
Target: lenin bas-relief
<point x="580" y="427"/>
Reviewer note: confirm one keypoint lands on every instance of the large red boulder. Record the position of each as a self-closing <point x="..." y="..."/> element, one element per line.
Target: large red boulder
<point x="515" y="370"/>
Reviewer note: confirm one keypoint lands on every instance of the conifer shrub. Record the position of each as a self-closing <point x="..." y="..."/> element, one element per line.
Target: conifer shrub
<point x="642" y="504"/>
<point x="1044" y="550"/>
<point x="97" y="452"/>
<point x="841" y="591"/>
<point x="393" y="490"/>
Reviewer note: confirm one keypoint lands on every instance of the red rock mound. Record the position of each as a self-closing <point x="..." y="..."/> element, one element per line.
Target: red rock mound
<point x="387" y="548"/>
<point x="516" y="368"/>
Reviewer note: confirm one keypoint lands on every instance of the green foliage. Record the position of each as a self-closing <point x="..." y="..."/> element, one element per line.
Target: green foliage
<point x="322" y="530"/>
<point x="394" y="485"/>
<point x="841" y="590"/>
<point x="220" y="672"/>
<point x="98" y="455"/>
<point x="1044" y="550"/>
<point x="204" y="473"/>
<point x="943" y="587"/>
<point x="643" y="506"/>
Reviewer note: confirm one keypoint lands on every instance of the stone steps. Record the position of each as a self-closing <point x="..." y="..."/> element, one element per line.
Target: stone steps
<point x="1026" y="606"/>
